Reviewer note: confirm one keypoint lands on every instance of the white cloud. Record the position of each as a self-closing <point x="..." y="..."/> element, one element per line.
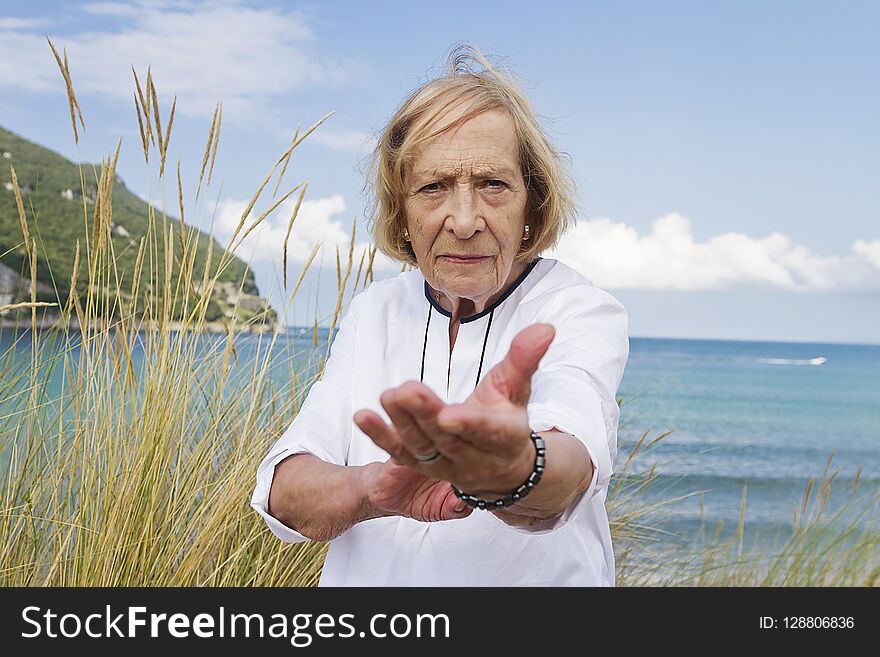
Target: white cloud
<point x="316" y="221"/>
<point x="249" y="57"/>
<point x="110" y="9"/>
<point x="610" y="253"/>
<point x="23" y="64"/>
<point x="348" y="141"/>
<point x="614" y="255"/>
<point x="9" y="23"/>
<point x="869" y="250"/>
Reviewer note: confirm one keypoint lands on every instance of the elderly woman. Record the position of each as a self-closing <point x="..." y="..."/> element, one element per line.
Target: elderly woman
<point x="464" y="428"/>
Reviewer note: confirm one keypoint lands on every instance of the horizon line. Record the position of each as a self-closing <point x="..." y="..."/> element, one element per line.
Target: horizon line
<point x="682" y="338"/>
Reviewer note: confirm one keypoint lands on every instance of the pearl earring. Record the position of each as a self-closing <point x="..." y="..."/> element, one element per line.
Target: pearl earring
<point x="526" y="235"/>
<point x="406" y="234"/>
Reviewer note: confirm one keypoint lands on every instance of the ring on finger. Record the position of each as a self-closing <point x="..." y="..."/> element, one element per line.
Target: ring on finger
<point x="427" y="458"/>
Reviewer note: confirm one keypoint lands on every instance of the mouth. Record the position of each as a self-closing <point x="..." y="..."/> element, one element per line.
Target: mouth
<point x="464" y="258"/>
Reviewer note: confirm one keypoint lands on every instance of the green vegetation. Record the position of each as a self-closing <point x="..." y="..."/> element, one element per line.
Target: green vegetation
<point x="59" y="204"/>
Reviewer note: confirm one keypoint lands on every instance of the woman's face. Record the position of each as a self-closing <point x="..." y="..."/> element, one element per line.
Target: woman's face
<point x="465" y="208"/>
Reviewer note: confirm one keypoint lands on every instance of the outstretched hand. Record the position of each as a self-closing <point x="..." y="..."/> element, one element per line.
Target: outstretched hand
<point x="483" y="442"/>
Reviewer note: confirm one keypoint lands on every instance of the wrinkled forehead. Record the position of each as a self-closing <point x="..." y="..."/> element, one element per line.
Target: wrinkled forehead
<point x="480" y="146"/>
<point x="463" y="165"/>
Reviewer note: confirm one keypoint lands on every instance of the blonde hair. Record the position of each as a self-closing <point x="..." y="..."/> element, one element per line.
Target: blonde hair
<point x="550" y="205"/>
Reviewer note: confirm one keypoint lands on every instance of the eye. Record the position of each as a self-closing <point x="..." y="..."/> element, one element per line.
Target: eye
<point x="495" y="184"/>
<point x="432" y="188"/>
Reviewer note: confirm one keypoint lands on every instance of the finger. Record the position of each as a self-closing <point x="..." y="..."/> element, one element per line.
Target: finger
<point x="458" y="452"/>
<point x="487" y="430"/>
<point x="384" y="435"/>
<point x="511" y="378"/>
<point x="425" y="412"/>
<point x="422" y="405"/>
<point x="454" y="507"/>
<point x="397" y="403"/>
<point x="441" y="468"/>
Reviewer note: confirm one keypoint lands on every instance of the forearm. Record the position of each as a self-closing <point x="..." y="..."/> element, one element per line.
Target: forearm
<point x="567" y="473"/>
<point x="320" y="500"/>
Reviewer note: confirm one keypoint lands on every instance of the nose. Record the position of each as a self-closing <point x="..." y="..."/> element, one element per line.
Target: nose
<point x="464" y="218"/>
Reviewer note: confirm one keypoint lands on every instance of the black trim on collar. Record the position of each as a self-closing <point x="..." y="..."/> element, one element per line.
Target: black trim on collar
<point x="425" y="346"/>
<point x="482" y="353"/>
<point x="470" y="318"/>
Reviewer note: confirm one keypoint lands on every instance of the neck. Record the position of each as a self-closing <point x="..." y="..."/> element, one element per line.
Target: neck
<point x="460" y="306"/>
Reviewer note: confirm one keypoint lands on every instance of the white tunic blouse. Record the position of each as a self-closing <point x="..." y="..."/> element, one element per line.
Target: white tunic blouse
<point x="394" y="332"/>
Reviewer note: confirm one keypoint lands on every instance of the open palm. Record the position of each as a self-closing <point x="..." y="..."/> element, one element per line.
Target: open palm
<point x="484" y="441"/>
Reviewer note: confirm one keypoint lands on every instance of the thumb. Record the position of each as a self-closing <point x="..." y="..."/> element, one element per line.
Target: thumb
<point x="454" y="507"/>
<point x="511" y="378"/>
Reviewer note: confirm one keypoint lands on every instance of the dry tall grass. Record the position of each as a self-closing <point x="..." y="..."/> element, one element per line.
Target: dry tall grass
<point x="120" y="470"/>
<point x="139" y="471"/>
<point x="829" y="544"/>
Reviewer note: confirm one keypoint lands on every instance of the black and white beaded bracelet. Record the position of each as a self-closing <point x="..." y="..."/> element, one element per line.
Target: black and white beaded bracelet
<point x="519" y="493"/>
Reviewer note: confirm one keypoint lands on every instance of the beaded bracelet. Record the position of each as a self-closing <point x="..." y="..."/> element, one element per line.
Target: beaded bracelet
<point x="519" y="493"/>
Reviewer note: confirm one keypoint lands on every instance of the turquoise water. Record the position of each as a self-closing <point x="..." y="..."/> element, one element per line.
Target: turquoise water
<point x="765" y="414"/>
<point x="741" y="413"/>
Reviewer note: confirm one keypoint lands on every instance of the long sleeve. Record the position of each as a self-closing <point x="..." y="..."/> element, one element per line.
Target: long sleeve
<point x="575" y="387"/>
<point x="322" y="427"/>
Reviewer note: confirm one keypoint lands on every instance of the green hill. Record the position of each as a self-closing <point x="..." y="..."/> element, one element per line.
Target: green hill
<point x="52" y="194"/>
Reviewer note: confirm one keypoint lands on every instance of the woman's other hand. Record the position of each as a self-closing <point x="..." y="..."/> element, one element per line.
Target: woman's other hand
<point x="393" y="489"/>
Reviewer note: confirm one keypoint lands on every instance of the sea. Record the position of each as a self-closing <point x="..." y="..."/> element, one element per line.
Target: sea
<point x="753" y="421"/>
<point x="747" y="425"/>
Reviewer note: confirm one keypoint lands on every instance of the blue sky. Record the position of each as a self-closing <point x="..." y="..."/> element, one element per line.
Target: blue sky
<point x="727" y="155"/>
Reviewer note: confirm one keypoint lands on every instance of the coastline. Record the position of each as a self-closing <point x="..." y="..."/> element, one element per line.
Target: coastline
<point x="50" y="323"/>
